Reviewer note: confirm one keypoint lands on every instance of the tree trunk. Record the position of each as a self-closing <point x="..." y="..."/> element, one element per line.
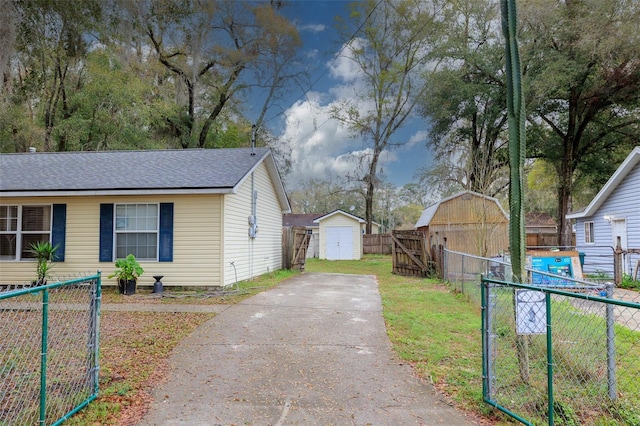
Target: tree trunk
<point x="565" y="188"/>
<point x="371" y="183"/>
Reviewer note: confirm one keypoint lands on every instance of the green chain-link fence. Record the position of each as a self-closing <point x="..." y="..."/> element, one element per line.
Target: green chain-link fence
<point x="49" y="347"/>
<point x="567" y="352"/>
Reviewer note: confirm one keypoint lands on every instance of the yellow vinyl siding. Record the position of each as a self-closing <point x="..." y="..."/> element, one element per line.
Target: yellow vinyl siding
<point x="339" y="219"/>
<point x="196" y="246"/>
<point x="252" y="256"/>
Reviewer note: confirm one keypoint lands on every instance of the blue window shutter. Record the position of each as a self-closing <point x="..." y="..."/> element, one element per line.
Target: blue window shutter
<point x="165" y="252"/>
<point x="58" y="230"/>
<point x="106" y="232"/>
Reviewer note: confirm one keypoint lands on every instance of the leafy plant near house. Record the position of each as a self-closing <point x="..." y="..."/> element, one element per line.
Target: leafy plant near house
<point x="127" y="272"/>
<point x="44" y="253"/>
<point x="629" y="283"/>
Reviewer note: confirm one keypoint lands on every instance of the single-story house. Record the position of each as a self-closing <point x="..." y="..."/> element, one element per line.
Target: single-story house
<point x="470" y="222"/>
<point x="340" y="236"/>
<point x="375" y="227"/>
<point x="305" y="220"/>
<point x="198" y="217"/>
<point x="612" y="216"/>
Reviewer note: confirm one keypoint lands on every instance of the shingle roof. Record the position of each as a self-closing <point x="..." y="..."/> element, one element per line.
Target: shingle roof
<point x="539" y="219"/>
<point x="301" y="219"/>
<point x="338" y="211"/>
<point x="101" y="171"/>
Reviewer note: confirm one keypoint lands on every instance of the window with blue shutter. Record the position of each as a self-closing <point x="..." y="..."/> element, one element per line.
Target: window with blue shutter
<point x="106" y="233"/>
<point x="165" y="249"/>
<point x="58" y="230"/>
<point x="138" y="227"/>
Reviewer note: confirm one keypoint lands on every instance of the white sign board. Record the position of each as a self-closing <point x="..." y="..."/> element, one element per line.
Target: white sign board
<point x="531" y="312"/>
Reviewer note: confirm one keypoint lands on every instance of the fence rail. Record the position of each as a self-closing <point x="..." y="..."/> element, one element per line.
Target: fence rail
<point x="561" y="353"/>
<point x="49" y="348"/>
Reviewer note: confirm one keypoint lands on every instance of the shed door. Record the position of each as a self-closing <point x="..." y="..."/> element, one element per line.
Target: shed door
<point x="619" y="228"/>
<point x="339" y="243"/>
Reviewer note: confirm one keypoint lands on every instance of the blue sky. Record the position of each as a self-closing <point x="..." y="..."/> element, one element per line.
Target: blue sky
<point x="318" y="143"/>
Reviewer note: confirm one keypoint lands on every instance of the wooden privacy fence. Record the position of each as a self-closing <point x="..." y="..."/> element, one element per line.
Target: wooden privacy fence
<point x="376" y="244"/>
<point x="295" y="242"/>
<point x="409" y="255"/>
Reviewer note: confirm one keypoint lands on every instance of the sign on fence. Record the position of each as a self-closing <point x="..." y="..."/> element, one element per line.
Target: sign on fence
<point x="531" y="312"/>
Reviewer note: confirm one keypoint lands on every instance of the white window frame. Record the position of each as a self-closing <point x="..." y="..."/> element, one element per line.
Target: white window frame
<point x="589" y="230"/>
<point x="117" y="232"/>
<point x="19" y="232"/>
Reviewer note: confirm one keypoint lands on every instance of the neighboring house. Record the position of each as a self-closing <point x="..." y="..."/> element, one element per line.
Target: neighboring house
<point x="541" y="230"/>
<point x="470" y="222"/>
<point x="613" y="214"/>
<point x="199" y="217"/>
<point x="340" y="236"/>
<point x="305" y="220"/>
<point x="375" y="227"/>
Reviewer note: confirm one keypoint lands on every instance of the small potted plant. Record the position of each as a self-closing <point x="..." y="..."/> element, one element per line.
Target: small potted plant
<point x="44" y="253"/>
<point x="127" y="272"/>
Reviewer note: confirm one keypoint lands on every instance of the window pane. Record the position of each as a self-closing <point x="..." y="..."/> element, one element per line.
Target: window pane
<point x="8" y="247"/>
<point x="36" y="218"/>
<point x="137" y="217"/>
<point x="8" y="218"/>
<point x="141" y="245"/>
<point x="27" y="240"/>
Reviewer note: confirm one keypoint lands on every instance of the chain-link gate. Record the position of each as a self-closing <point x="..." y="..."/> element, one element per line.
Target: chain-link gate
<point x="560" y="356"/>
<point x="49" y="348"/>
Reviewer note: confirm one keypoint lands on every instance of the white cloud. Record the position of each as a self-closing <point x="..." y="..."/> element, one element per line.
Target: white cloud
<point x="342" y="66"/>
<point x="322" y="147"/>
<point x="312" y="28"/>
<point x="419" y="137"/>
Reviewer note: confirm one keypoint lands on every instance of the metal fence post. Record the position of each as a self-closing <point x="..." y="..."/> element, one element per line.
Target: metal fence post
<point x="549" y="359"/>
<point x="611" y="346"/>
<point x="94" y="336"/>
<point x="485" y="339"/>
<point x="43" y="357"/>
<point x="445" y="265"/>
<point x="462" y="274"/>
<point x="488" y="336"/>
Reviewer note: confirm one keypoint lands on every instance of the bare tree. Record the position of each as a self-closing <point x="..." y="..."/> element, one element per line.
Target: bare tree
<point x="389" y="53"/>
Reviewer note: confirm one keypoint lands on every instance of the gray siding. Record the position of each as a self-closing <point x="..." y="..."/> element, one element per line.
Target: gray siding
<point x="623" y="203"/>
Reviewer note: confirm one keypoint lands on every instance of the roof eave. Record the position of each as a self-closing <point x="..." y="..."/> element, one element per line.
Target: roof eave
<point x="111" y="192"/>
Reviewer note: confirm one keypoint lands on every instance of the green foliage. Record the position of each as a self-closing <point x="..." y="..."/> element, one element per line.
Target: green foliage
<point x="127" y="269"/>
<point x="82" y="78"/>
<point x="629" y="283"/>
<point x="44" y="253"/>
<point x="582" y="90"/>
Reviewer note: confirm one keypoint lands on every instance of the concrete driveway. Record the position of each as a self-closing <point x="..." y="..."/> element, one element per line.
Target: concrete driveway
<point x="312" y="351"/>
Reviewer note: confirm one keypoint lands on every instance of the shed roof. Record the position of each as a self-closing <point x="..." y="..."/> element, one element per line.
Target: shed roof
<point x="187" y="171"/>
<point x="342" y="212"/>
<point x="428" y="213"/>
<point x="618" y="176"/>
